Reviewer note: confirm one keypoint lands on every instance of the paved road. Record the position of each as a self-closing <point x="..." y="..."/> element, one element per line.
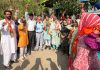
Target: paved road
<point x="43" y="60"/>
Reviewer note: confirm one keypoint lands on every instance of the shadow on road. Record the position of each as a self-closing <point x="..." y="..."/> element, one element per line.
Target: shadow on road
<point x="52" y="64"/>
<point x="62" y="60"/>
<point x="37" y="64"/>
<point x="23" y="65"/>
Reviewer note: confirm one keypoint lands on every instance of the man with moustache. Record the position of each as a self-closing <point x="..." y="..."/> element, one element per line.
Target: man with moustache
<point x="8" y="39"/>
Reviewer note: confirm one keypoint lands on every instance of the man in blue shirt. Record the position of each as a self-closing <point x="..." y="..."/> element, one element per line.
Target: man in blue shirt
<point x="39" y="33"/>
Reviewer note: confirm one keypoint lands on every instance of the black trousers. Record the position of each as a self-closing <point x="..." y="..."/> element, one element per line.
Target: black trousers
<point x="32" y="41"/>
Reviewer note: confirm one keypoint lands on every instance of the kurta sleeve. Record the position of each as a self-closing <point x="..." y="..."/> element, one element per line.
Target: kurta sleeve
<point x="5" y="27"/>
<point x="26" y="16"/>
<point x="1" y="25"/>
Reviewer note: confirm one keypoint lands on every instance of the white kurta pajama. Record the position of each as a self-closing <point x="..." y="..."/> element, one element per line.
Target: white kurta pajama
<point x="8" y="43"/>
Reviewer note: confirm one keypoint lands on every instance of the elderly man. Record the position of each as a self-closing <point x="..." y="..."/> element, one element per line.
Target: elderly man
<point x="8" y="39"/>
<point x="39" y="34"/>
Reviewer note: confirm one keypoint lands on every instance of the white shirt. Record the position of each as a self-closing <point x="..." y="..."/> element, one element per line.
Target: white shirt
<point x="30" y="23"/>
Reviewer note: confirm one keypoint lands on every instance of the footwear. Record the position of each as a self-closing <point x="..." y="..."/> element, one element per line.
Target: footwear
<point x="25" y="55"/>
<point x="46" y="47"/>
<point x="41" y="49"/>
<point x="11" y="62"/>
<point x="21" y="59"/>
<point x="8" y="67"/>
<point x="49" y="48"/>
<point x="29" y="53"/>
<point x="36" y="49"/>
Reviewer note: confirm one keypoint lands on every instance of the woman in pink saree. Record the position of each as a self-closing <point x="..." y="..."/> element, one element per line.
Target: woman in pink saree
<point x="87" y="24"/>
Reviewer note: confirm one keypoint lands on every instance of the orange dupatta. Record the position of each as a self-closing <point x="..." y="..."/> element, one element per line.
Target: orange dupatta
<point x="9" y="26"/>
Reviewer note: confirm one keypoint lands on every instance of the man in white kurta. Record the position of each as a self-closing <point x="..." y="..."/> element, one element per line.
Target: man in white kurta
<point x="8" y="42"/>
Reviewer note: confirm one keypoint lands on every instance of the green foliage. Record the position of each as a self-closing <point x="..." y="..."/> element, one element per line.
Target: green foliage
<point x="71" y="6"/>
<point x="34" y="6"/>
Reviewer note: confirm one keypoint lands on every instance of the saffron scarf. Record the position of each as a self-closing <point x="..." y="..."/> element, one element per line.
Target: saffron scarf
<point x="9" y="26"/>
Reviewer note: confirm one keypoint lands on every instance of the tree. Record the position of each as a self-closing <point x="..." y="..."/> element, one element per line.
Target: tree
<point x="35" y="5"/>
<point x="71" y="6"/>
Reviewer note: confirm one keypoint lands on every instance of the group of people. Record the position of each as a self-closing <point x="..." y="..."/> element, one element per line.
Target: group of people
<point x="32" y="33"/>
<point x="79" y="38"/>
